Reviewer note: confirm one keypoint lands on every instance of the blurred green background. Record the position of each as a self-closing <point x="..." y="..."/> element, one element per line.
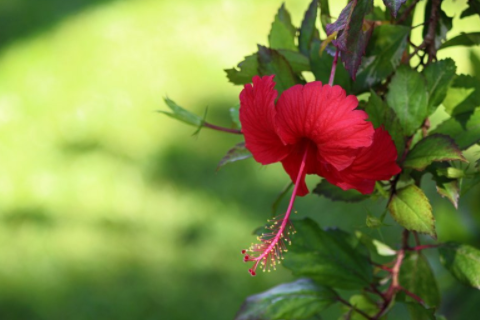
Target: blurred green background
<point x="109" y="210"/>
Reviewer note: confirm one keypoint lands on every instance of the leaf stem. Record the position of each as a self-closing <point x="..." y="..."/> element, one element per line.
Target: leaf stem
<point x="334" y="68"/>
<point x="223" y="129"/>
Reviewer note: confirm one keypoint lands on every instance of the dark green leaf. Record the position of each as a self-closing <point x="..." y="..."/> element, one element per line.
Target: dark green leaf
<point x="384" y="52"/>
<point x="181" y="114"/>
<point x="376" y="110"/>
<point x="272" y="62"/>
<point x="247" y="69"/>
<point x="321" y="65"/>
<point x="470" y="182"/>
<point x="394" y="5"/>
<point x="237" y="153"/>
<point x="327" y="257"/>
<point x="464" y="129"/>
<point x="463" y="96"/>
<point x="407" y="96"/>
<point x="308" y="31"/>
<point x="473" y="8"/>
<point x="412" y="210"/>
<point x="419" y="312"/>
<point x="324" y="14"/>
<point x="417" y="276"/>
<point x="282" y="34"/>
<point x="464" y="39"/>
<point x="332" y="192"/>
<point x="438" y="75"/>
<point x="301" y="299"/>
<point x="380" y="114"/>
<point x="436" y="147"/>
<point x="463" y="262"/>
<point x="297" y="61"/>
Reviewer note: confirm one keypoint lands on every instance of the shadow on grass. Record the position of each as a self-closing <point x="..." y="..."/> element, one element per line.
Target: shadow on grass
<point x="24" y="18"/>
<point x="194" y="169"/>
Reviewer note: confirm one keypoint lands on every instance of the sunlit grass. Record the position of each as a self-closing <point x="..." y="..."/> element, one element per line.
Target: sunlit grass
<point x="109" y="209"/>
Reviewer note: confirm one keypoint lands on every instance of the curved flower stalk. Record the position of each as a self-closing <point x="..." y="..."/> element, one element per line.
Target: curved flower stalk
<point x="312" y="129"/>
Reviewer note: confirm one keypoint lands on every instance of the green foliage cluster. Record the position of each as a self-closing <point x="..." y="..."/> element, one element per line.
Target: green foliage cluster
<point x="403" y="85"/>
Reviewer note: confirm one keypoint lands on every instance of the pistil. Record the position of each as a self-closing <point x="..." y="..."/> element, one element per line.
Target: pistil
<point x="273" y="244"/>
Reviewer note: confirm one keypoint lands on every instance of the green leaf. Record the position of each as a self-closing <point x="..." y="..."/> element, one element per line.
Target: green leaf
<point x="417" y="276"/>
<point x="375" y="245"/>
<point x="384" y="53"/>
<point x="373" y="222"/>
<point x="321" y="65"/>
<point x="246" y="70"/>
<point x="363" y="303"/>
<point x="464" y="129"/>
<point x="436" y="147"/>
<point x="334" y="193"/>
<point x="394" y="5"/>
<point x="272" y="62"/>
<point x="327" y="257"/>
<point x="301" y="299"/>
<point x="282" y="33"/>
<point x="412" y="210"/>
<point x="438" y="75"/>
<point x="181" y="114"/>
<point x="407" y="96"/>
<point x="237" y="153"/>
<point x="463" y="96"/>
<point x="463" y="262"/>
<point x="379" y="113"/>
<point x="451" y="172"/>
<point x="308" y="31"/>
<point x="464" y="39"/>
<point x="448" y="188"/>
<point x="297" y="61"/>
<point x="324" y="14"/>
<point x="473" y="8"/>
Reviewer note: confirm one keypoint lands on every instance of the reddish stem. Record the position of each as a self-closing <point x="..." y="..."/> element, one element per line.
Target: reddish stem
<point x="334" y="68"/>
<point x="422" y="247"/>
<point x="411" y="294"/>
<point x="214" y="127"/>
<point x="394" y="287"/>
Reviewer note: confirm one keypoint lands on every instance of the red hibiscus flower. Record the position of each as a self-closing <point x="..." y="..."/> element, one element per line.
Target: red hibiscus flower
<point x="311" y="129"/>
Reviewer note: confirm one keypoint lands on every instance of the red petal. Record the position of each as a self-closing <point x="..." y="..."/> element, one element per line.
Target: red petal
<point x="326" y="116"/>
<point x="377" y="162"/>
<point x="257" y="115"/>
